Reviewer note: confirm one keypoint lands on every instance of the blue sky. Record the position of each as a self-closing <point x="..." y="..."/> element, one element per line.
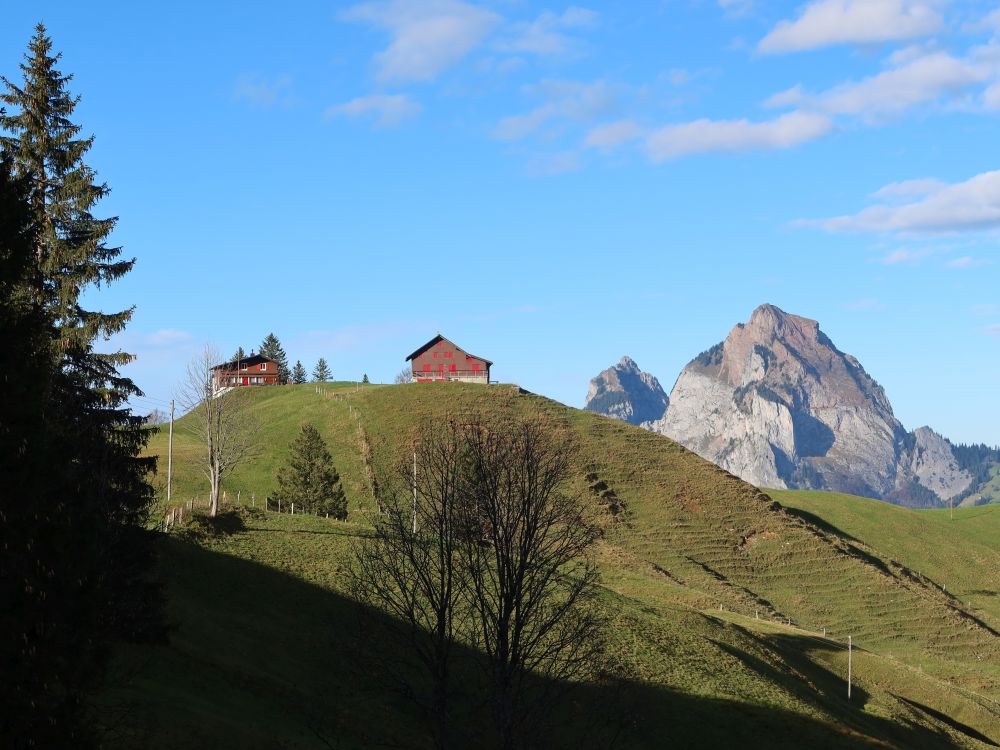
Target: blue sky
<point x="550" y="185"/>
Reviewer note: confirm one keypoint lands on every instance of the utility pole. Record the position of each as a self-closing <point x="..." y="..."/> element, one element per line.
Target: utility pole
<point x="850" y="654"/>
<point x="414" y="492"/>
<point x="170" y="454"/>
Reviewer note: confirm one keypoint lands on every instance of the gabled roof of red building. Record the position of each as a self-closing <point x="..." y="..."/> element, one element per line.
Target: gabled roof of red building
<point x="253" y="359"/>
<point x="434" y="341"/>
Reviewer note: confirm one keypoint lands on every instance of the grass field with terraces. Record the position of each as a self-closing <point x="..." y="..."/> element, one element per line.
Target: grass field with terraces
<point x="717" y="597"/>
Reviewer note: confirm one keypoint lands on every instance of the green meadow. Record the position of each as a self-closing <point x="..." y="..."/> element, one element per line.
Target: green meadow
<point x="728" y="608"/>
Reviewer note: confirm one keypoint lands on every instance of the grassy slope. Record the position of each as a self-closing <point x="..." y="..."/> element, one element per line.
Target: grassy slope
<point x="699" y="557"/>
<point x="960" y="554"/>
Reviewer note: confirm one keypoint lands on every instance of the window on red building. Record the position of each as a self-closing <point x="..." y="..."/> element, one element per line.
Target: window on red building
<point x="452" y="368"/>
<point x="427" y="368"/>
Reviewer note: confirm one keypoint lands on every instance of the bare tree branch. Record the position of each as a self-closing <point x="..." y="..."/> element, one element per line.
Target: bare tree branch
<point x="224" y="420"/>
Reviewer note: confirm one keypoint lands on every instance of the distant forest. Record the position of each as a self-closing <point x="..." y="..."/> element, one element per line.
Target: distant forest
<point x="978" y="459"/>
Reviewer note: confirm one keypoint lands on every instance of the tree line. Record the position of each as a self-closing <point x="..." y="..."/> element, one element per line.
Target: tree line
<point x="75" y="494"/>
<point x="271" y="348"/>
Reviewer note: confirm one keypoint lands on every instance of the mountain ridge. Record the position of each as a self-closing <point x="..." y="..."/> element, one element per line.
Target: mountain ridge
<point x="778" y="404"/>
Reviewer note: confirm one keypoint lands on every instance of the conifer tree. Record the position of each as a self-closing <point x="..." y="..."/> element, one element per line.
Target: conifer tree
<point x="271" y="348"/>
<point x="88" y="489"/>
<point x="299" y="373"/>
<point x="309" y="479"/>
<point x="322" y="372"/>
<point x="238" y="355"/>
<point x="365" y="378"/>
<point x="71" y="247"/>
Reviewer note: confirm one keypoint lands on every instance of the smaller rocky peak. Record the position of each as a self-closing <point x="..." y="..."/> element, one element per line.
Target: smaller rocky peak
<point x="627" y="364"/>
<point x="627" y="393"/>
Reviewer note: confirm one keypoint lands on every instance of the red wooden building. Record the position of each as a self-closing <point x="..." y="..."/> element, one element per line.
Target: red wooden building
<point x="252" y="370"/>
<point x="441" y="359"/>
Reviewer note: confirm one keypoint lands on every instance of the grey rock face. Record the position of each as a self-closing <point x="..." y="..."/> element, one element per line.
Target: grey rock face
<point x="626" y="393"/>
<point x="932" y="463"/>
<point x="779" y="405"/>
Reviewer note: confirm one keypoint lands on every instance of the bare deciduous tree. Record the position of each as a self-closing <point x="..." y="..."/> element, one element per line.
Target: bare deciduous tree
<point x="404" y="376"/>
<point x="498" y="557"/>
<point x="223" y="420"/>
<point x="408" y="566"/>
<point x="530" y="581"/>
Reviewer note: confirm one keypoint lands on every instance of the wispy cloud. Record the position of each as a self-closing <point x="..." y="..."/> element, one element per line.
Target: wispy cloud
<point x="613" y="134"/>
<point x="563" y="100"/>
<point x="705" y="136"/>
<point x="560" y="162"/>
<point x="918" y="80"/>
<point x="388" y="110"/>
<point x="262" y="91"/>
<point x="967" y="261"/>
<point x="824" y="23"/>
<point x="993" y="330"/>
<point x="940" y="207"/>
<point x="546" y="35"/>
<point x="905" y="256"/>
<point x="428" y="36"/>
<point x="867" y="303"/>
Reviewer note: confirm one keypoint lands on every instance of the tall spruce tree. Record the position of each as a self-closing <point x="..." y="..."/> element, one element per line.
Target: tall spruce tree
<point x="88" y="488"/>
<point x="71" y="244"/>
<point x="238" y="355"/>
<point x="271" y="348"/>
<point x="322" y="372"/>
<point x="299" y="373"/>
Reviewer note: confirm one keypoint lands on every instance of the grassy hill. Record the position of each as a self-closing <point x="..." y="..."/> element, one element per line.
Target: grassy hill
<point x="717" y="599"/>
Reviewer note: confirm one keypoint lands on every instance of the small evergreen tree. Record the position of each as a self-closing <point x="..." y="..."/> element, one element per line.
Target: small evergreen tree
<point x="322" y="372"/>
<point x="309" y="479"/>
<point x="240" y="354"/>
<point x="299" y="373"/>
<point x="271" y="348"/>
<point x="365" y="378"/>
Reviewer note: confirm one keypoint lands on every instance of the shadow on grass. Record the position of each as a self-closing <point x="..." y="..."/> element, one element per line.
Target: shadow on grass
<point x="262" y="659"/>
<point x="820" y="523"/>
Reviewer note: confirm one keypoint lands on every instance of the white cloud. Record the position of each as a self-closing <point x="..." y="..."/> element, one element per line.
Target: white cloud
<point x="388" y="109"/>
<point x="908" y="189"/>
<point x="703" y="136"/>
<point x="563" y="100"/>
<point x="967" y="261"/>
<point x="963" y="206"/>
<point x="916" y="81"/>
<point x="924" y="79"/>
<point x="428" y="36"/>
<point x="823" y="23"/>
<point x="897" y="257"/>
<point x="993" y="330"/>
<point x="736" y="7"/>
<point x="545" y="35"/>
<point x="788" y="98"/>
<point x="561" y="162"/>
<point x="261" y="91"/>
<point x="613" y="134"/>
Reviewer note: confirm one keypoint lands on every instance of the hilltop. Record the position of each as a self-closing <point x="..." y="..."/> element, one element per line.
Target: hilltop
<point x="718" y="600"/>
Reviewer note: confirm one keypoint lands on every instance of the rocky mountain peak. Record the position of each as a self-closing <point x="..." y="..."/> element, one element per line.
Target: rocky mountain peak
<point x="778" y="404"/>
<point x="626" y="392"/>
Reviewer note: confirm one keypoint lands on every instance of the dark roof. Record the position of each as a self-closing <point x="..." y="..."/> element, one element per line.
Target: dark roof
<point x="438" y="338"/>
<point x="253" y="359"/>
